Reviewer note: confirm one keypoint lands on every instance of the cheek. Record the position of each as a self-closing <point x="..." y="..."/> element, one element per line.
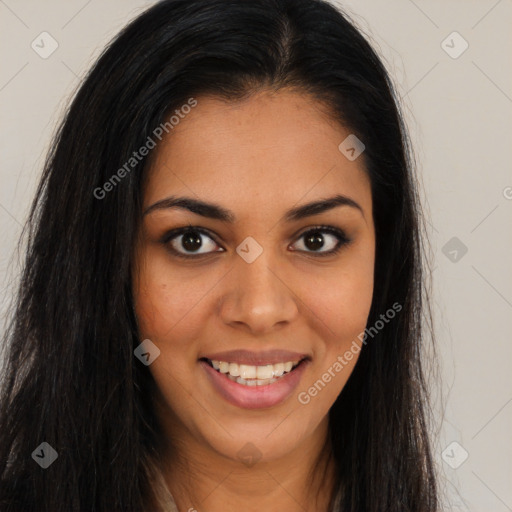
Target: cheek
<point x="347" y="306"/>
<point x="342" y="301"/>
<point x="339" y="307"/>
<point x="164" y="298"/>
<point x="166" y="307"/>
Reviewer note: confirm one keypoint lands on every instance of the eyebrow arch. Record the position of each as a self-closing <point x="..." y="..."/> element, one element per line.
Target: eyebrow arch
<point x="214" y="211"/>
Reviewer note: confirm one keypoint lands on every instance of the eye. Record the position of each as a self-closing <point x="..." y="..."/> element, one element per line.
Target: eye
<point x="315" y="239"/>
<point x="188" y="242"/>
<point x="190" y="238"/>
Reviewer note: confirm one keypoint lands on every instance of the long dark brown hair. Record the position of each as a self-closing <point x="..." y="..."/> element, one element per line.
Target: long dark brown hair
<point x="70" y="377"/>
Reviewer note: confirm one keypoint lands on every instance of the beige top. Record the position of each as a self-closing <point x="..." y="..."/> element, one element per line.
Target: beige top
<point x="163" y="495"/>
<point x="166" y="501"/>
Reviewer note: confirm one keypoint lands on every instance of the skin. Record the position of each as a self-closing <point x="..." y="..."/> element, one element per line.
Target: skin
<point x="258" y="158"/>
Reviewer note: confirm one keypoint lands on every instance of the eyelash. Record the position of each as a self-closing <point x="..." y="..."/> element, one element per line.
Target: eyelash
<point x="343" y="240"/>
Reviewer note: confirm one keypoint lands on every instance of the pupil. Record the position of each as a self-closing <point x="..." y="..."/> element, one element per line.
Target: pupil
<point x="191" y="241"/>
<point x="315" y="241"/>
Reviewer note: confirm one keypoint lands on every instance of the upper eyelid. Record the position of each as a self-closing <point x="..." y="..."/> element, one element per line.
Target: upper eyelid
<point x="338" y="232"/>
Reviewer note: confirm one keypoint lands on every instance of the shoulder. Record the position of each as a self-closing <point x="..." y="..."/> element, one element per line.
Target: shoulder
<point x="164" y="502"/>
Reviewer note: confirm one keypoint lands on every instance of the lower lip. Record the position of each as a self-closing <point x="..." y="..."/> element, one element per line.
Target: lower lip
<point x="255" y="397"/>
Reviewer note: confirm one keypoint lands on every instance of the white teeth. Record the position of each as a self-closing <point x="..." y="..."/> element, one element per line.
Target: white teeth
<point x="248" y="375"/>
<point x="265" y="372"/>
<point x="278" y="369"/>
<point x="254" y="382"/>
<point x="245" y="371"/>
<point x="234" y="370"/>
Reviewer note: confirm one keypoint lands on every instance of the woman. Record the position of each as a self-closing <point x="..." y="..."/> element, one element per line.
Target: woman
<point x="223" y="291"/>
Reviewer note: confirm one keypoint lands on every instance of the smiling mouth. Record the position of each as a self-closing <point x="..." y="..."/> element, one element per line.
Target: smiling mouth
<point x="249" y="375"/>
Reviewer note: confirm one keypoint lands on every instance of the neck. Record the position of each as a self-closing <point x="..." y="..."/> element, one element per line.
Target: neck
<point x="200" y="478"/>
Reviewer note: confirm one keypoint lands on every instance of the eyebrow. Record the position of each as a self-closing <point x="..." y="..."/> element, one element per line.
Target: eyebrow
<point x="217" y="212"/>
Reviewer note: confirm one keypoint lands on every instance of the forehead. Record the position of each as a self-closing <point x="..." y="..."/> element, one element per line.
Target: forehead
<point x="270" y="149"/>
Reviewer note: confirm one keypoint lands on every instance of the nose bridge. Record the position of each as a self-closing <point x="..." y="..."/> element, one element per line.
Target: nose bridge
<point x="257" y="296"/>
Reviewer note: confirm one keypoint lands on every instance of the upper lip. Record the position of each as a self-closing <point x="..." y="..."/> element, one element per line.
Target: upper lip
<point x="256" y="358"/>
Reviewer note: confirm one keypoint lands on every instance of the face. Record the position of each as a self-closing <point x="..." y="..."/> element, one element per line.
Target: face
<point x="253" y="282"/>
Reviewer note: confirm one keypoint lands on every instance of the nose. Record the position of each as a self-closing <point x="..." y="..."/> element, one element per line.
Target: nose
<point x="258" y="297"/>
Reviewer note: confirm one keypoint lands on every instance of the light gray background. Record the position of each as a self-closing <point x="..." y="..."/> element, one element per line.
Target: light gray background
<point x="459" y="115"/>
